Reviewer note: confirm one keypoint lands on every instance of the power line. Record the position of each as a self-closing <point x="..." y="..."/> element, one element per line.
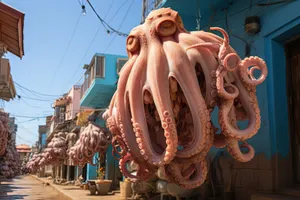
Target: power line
<point x="30" y="104"/>
<point x="66" y="51"/>
<point x="90" y="45"/>
<point x="30" y="117"/>
<point x="117" y="12"/>
<point x="25" y="140"/>
<point x="110" y="6"/>
<point x="21" y="126"/>
<point x="105" y="24"/>
<point x="27" y="121"/>
<point x="35" y="98"/>
<point x="121" y="24"/>
<point x="35" y="92"/>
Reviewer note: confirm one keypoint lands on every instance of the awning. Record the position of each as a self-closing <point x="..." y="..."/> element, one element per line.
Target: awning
<point x="62" y="101"/>
<point x="11" y="29"/>
<point x="82" y="117"/>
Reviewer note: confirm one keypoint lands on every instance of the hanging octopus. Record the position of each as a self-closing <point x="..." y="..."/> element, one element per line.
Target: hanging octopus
<point x="56" y="151"/>
<point x="160" y="114"/>
<point x="4" y="129"/>
<point x="92" y="139"/>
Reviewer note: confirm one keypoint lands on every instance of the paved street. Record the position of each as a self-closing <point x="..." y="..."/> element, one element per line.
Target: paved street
<point x="26" y="187"/>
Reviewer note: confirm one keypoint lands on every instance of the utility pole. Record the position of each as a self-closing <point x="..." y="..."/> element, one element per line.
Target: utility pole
<point x="144" y="8"/>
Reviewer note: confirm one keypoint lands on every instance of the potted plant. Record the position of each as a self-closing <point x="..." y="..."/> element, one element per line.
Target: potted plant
<point x="102" y="185"/>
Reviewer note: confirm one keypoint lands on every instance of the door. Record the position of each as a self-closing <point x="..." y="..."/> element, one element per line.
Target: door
<point x="293" y="90"/>
<point x="72" y="172"/>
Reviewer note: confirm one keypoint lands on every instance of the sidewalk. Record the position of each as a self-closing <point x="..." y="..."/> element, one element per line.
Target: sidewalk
<point x="75" y="193"/>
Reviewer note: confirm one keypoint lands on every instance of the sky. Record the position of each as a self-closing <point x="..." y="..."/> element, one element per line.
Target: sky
<point x="58" y="41"/>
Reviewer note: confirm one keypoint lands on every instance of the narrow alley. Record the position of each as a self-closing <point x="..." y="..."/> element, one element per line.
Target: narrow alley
<point x="26" y="187"/>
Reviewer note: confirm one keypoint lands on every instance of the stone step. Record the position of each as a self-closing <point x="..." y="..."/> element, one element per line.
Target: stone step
<point x="272" y="197"/>
<point x="290" y="192"/>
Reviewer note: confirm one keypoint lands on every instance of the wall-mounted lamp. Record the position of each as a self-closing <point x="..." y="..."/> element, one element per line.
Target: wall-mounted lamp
<point x="252" y="25"/>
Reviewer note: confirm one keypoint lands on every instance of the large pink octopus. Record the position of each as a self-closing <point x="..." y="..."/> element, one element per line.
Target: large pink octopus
<point x="160" y="115"/>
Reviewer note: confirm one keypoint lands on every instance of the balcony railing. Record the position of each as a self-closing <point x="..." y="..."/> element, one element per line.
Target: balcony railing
<point x="86" y="84"/>
<point x="96" y="69"/>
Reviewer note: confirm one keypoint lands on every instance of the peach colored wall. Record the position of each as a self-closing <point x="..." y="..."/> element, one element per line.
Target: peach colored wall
<point x="74" y="107"/>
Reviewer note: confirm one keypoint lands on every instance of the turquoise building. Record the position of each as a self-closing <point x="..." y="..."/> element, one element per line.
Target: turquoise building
<point x="99" y="85"/>
<point x="276" y="40"/>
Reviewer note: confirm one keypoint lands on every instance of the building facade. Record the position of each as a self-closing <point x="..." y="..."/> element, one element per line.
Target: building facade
<point x="276" y="164"/>
<point x="11" y="40"/>
<point x="23" y="150"/>
<point x="99" y="85"/>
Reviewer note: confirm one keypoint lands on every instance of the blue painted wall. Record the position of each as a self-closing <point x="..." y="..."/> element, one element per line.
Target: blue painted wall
<point x="279" y="23"/>
<point x="44" y="137"/>
<point x="101" y="89"/>
<point x="98" y="96"/>
<point x="91" y="170"/>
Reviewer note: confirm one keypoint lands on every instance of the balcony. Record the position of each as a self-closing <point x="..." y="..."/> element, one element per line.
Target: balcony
<point x="7" y="87"/>
<point x="100" y="80"/>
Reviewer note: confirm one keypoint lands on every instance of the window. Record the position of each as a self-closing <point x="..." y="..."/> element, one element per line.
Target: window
<point x="120" y="63"/>
<point x="100" y="67"/>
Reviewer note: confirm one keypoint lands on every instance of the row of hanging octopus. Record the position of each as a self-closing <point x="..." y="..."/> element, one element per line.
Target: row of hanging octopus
<point x="79" y="150"/>
<point x="160" y="115"/>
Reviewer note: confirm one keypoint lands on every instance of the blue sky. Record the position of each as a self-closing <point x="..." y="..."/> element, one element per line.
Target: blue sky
<point x="48" y="27"/>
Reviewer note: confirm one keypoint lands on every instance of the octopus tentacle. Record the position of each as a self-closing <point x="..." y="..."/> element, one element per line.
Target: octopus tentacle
<point x="163" y="104"/>
<point x="124" y="116"/>
<point x="258" y="63"/>
<point x="180" y="178"/>
<point x="143" y="172"/>
<point x="195" y="100"/>
<point x="166" y="92"/>
<point x="225" y="44"/>
<point x="208" y="65"/>
<point x="233" y="148"/>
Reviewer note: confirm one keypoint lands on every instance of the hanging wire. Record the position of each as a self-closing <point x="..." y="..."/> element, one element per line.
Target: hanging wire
<point x="108" y="28"/>
<point x="66" y="51"/>
<point x="91" y="43"/>
<point x="121" y="24"/>
<point x="247" y="45"/>
<point x="35" y="92"/>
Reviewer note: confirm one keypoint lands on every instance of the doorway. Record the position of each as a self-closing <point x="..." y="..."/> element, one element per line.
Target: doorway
<point x="72" y="172"/>
<point x="292" y="50"/>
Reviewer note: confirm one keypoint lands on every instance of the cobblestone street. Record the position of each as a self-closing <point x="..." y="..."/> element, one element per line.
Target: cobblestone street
<point x="26" y="187"/>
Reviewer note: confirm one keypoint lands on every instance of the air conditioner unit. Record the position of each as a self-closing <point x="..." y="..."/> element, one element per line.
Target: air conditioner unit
<point x="4" y="70"/>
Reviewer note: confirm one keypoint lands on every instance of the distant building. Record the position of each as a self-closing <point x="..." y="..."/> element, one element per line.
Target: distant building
<point x="23" y="150"/>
